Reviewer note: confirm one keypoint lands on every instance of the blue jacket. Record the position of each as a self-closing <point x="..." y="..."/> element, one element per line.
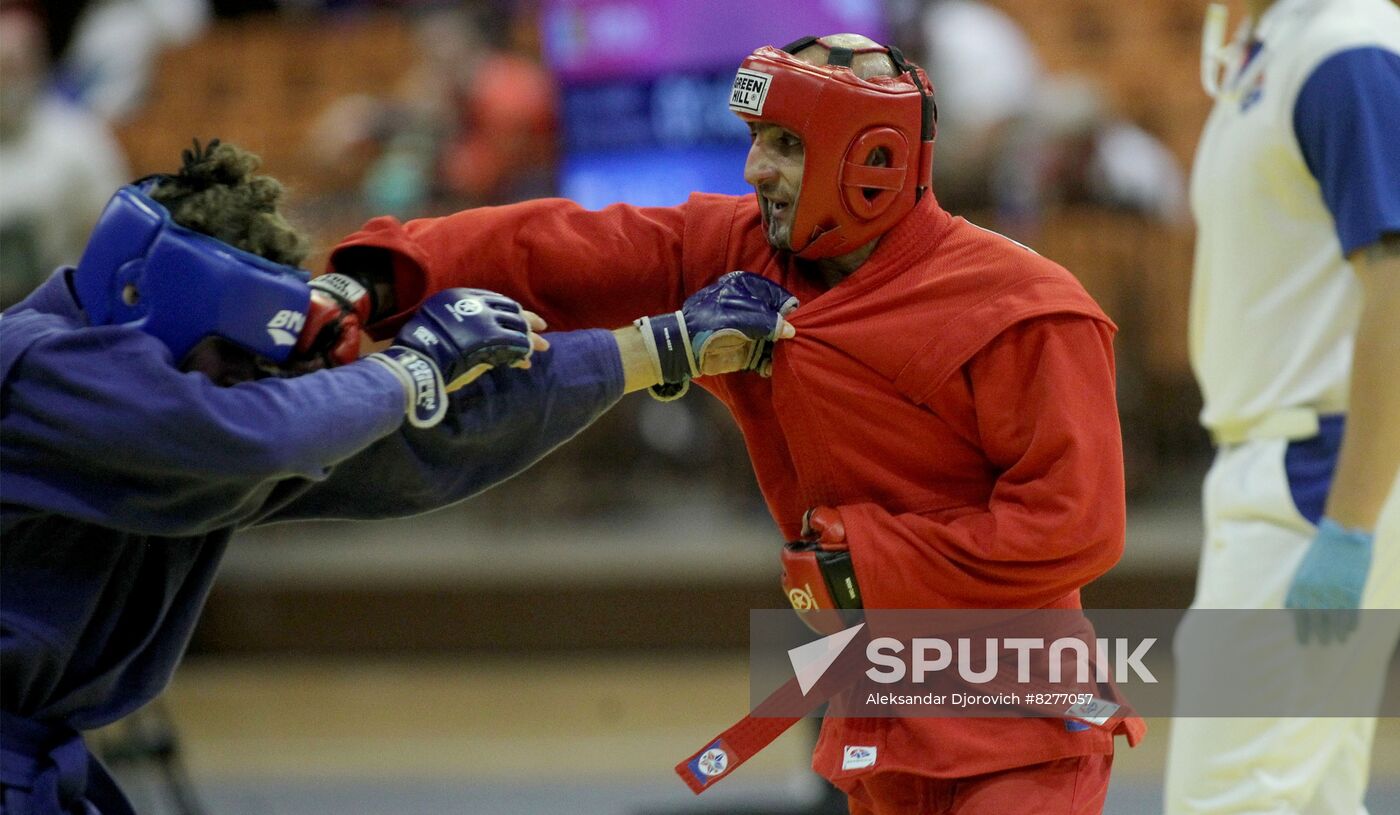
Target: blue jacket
<point x="122" y="480"/>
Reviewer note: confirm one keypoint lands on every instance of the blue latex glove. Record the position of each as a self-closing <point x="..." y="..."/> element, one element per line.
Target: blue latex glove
<point x="1327" y="586"/>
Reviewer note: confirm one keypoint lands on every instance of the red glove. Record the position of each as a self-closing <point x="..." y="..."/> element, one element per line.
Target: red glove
<point x="339" y="309"/>
<point x="818" y="577"/>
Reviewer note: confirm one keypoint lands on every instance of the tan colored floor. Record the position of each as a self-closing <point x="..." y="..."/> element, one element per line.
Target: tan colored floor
<point x="502" y="719"/>
<point x="498" y="719"/>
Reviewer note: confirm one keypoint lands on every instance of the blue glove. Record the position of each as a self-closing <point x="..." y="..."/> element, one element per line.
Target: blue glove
<point x="1327" y="587"/>
<point x="740" y="305"/>
<point x="456" y="336"/>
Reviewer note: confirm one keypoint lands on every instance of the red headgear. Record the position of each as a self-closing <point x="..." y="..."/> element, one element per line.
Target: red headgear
<point x="844" y="203"/>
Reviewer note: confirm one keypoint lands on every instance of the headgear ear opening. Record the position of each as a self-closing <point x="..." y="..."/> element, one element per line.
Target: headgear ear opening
<point x="180" y="286"/>
<point x="845" y="202"/>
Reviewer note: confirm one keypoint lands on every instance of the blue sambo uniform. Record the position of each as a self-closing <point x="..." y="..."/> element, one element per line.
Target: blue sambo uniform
<point x="122" y="480"/>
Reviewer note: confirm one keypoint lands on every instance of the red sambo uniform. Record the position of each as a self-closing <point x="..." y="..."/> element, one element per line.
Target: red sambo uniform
<point x="953" y="399"/>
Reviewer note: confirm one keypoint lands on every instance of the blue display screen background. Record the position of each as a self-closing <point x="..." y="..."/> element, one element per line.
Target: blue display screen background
<point x="651" y="142"/>
<point x="645" y="115"/>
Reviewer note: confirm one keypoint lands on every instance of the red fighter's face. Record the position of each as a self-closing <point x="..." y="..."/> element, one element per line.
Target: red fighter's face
<point x="774" y="170"/>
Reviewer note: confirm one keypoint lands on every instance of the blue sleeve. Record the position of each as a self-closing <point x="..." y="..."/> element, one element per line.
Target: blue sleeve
<point x="1347" y="121"/>
<point x="99" y="426"/>
<point x="496" y="427"/>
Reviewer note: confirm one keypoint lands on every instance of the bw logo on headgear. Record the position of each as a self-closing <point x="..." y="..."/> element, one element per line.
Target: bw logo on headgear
<point x="749" y="91"/>
<point x="285" y="325"/>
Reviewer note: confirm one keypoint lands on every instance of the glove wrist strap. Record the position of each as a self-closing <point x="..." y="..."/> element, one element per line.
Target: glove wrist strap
<point x="668" y="342"/>
<point x="350" y="292"/>
<point x="424" y="391"/>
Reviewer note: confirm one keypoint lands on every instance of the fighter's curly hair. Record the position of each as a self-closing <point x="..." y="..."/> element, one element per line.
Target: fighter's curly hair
<point x="216" y="193"/>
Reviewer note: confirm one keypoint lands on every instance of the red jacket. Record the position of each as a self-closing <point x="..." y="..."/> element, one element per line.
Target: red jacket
<point x="953" y="398"/>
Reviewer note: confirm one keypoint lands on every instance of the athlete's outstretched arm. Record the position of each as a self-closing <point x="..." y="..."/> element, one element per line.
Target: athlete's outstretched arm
<point x="505" y="422"/>
<point x="99" y="425"/>
<point x="575" y="267"/>
<point x="495" y="428"/>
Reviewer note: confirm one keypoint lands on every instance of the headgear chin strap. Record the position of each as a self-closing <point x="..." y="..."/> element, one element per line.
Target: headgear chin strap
<point x="180" y="286"/>
<point x="842" y="119"/>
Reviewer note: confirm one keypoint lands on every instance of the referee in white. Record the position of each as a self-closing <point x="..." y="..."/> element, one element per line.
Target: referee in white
<point x="1295" y="341"/>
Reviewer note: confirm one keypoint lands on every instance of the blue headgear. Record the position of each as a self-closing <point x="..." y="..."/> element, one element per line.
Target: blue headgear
<point x="180" y="286"/>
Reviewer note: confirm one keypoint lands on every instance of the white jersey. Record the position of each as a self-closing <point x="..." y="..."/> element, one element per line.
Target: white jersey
<point x="1274" y="305"/>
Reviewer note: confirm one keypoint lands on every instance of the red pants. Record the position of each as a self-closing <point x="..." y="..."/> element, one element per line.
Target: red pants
<point x="1070" y="786"/>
